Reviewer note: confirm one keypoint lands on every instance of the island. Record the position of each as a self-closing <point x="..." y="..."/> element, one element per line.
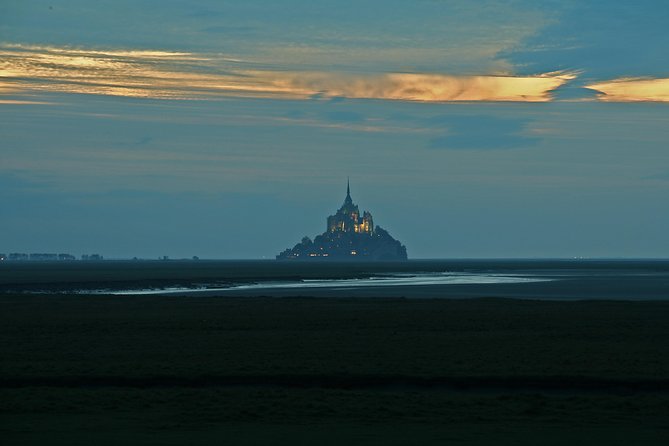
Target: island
<point x="349" y="236"/>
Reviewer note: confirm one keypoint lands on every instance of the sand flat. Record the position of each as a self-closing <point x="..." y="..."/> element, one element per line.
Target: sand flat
<point x="255" y="369"/>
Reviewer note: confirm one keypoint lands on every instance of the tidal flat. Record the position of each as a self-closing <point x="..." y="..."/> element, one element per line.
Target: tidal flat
<point x="79" y="369"/>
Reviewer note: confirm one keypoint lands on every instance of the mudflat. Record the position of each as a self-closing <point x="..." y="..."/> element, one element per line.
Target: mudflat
<point x="79" y="369"/>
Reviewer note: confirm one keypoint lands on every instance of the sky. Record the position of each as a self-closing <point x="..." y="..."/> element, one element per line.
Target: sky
<point x="227" y="129"/>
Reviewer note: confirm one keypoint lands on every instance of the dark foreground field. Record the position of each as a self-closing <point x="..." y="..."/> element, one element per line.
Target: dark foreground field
<point x="165" y="370"/>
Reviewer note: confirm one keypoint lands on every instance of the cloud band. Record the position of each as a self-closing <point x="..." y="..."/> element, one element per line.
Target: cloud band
<point x="180" y="75"/>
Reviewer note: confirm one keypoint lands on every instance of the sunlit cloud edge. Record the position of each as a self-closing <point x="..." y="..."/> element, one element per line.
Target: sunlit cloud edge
<point x="153" y="74"/>
<point x="632" y="90"/>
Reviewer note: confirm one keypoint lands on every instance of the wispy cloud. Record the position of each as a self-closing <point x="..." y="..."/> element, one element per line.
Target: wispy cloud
<point x="464" y="133"/>
<point x="423" y="87"/>
<point x="183" y="75"/>
<point x="23" y="102"/>
<point x="633" y="90"/>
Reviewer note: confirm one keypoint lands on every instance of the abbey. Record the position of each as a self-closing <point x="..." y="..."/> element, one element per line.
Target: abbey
<point x="347" y="218"/>
<point x="349" y="236"/>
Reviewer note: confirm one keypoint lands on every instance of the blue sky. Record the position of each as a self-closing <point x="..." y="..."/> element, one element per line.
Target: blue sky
<point x="227" y="129"/>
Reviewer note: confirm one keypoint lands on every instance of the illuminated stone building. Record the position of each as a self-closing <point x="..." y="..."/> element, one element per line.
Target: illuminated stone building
<point x="348" y="219"/>
<point x="349" y="236"/>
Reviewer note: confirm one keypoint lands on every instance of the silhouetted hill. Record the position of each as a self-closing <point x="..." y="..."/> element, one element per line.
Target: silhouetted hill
<point x="379" y="245"/>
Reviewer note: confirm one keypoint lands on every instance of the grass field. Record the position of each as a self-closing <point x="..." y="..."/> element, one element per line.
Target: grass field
<point x="168" y="370"/>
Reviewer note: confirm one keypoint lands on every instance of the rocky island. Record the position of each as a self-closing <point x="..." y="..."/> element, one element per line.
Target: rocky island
<point x="349" y="236"/>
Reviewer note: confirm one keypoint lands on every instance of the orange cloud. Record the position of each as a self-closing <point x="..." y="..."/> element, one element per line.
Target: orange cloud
<point x="633" y="90"/>
<point x="422" y="87"/>
<point x="23" y="102"/>
<point x="180" y="75"/>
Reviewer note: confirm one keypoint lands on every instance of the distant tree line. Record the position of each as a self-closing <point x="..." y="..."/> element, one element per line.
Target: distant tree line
<point x="40" y="256"/>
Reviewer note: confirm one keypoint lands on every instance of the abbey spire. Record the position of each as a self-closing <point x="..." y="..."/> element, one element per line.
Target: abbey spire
<point x="348" y="199"/>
